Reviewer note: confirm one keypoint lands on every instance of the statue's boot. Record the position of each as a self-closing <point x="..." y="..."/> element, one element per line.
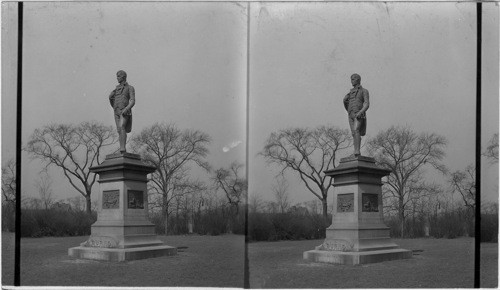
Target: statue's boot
<point x="357" y="144"/>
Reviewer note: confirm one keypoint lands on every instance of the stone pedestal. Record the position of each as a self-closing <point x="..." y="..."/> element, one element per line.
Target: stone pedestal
<point x="358" y="234"/>
<point x="122" y="231"/>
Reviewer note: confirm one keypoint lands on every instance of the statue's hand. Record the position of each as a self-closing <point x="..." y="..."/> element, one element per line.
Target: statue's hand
<point x="124" y="111"/>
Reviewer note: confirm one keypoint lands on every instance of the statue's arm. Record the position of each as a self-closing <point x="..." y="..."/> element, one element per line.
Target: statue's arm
<point x="131" y="101"/>
<point x="112" y="98"/>
<point x="366" y="102"/>
<point x="346" y="102"/>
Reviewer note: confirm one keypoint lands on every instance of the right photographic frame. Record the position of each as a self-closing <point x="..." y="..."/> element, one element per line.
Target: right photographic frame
<point x="363" y="139"/>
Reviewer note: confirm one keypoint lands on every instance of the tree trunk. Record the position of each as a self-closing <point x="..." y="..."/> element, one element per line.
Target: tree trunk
<point x="164" y="208"/>
<point x="190" y="223"/>
<point x="325" y="209"/>
<point x="88" y="203"/>
<point x="413" y="222"/>
<point x="402" y="227"/>
<point x="165" y="213"/>
<point x="427" y="226"/>
<point x="177" y="223"/>
<point x="401" y="216"/>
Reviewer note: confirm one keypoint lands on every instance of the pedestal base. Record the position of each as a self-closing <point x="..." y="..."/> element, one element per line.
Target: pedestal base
<point x="356" y="258"/>
<point x="120" y="255"/>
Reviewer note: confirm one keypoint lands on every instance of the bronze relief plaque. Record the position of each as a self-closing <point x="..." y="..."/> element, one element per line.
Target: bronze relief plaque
<point x="370" y="202"/>
<point x="135" y="199"/>
<point x="110" y="199"/>
<point x="345" y="202"/>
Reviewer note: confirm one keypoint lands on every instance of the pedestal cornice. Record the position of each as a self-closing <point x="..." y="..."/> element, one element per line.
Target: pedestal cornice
<point x="357" y="169"/>
<point x="122" y="166"/>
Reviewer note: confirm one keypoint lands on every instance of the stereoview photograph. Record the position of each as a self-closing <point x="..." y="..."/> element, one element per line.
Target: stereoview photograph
<point x="250" y="144"/>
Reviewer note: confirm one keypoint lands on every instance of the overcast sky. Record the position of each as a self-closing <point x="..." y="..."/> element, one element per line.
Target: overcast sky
<point x="188" y="64"/>
<point x="417" y="60"/>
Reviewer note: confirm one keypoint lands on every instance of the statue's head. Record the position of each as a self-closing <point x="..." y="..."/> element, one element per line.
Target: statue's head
<point x="355" y="79"/>
<point x="121" y="76"/>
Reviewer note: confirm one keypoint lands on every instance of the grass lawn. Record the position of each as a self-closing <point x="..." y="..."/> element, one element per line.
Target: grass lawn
<point x="442" y="263"/>
<point x="489" y="265"/>
<point x="218" y="261"/>
<point x="215" y="261"/>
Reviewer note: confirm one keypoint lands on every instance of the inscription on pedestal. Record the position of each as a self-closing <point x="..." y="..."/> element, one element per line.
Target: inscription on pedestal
<point x="336" y="245"/>
<point x="345" y="202"/>
<point x="110" y="199"/>
<point x="135" y="199"/>
<point x="370" y="202"/>
<point x="100" y="242"/>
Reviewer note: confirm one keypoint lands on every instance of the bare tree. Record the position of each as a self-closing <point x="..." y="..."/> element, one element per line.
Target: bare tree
<point x="489" y="208"/>
<point x="44" y="186"/>
<point x="414" y="201"/>
<point x="172" y="151"/>
<point x="420" y="200"/>
<point x="281" y="195"/>
<point x="185" y="197"/>
<point x="313" y="206"/>
<point x="308" y="152"/>
<point x="465" y="183"/>
<point x="9" y="195"/>
<point x="31" y="203"/>
<point x="271" y="207"/>
<point x="169" y="203"/>
<point x="492" y="149"/>
<point x="9" y="184"/>
<point x="73" y="149"/>
<point x="75" y="202"/>
<point x="234" y="186"/>
<point x="407" y="154"/>
<point x="192" y="202"/>
<point x="255" y="203"/>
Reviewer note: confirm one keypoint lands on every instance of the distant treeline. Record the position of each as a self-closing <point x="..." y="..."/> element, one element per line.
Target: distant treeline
<point x="286" y="226"/>
<point x="211" y="221"/>
<point x="49" y="222"/>
<point x="450" y="224"/>
<point x="262" y="226"/>
<point x="41" y="222"/>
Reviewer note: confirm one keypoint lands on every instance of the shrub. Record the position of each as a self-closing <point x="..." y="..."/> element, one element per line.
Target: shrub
<point x="8" y="218"/>
<point x="51" y="222"/>
<point x="239" y="223"/>
<point x="450" y="225"/>
<point x="447" y="225"/>
<point x="489" y="227"/>
<point x="260" y="227"/>
<point x="285" y="226"/>
<point x="214" y="221"/>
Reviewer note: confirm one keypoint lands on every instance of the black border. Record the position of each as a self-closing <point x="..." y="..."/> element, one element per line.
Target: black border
<point x="246" y="263"/>
<point x="477" y="244"/>
<point x="17" y="248"/>
<point x="477" y="230"/>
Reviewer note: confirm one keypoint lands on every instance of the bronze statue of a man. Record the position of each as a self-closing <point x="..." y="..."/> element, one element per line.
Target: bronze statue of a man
<point x="122" y="99"/>
<point x="356" y="102"/>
